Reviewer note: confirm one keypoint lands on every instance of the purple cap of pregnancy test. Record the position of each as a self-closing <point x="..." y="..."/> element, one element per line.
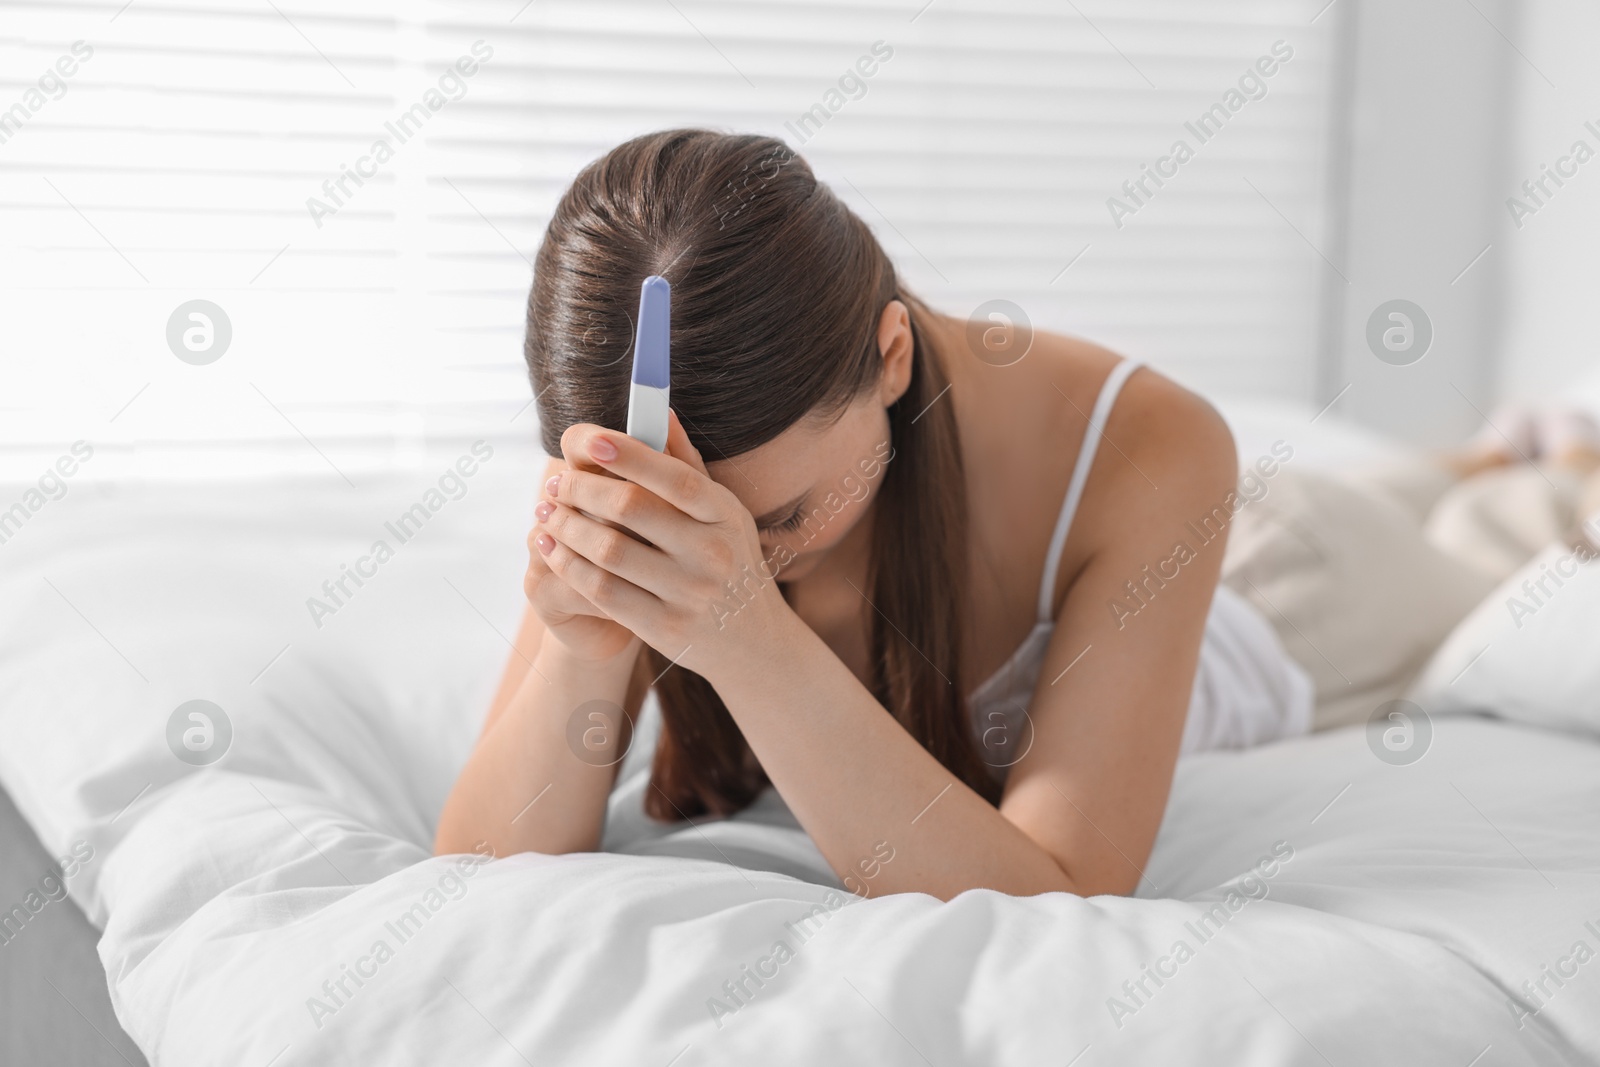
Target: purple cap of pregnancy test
<point x="652" y="350"/>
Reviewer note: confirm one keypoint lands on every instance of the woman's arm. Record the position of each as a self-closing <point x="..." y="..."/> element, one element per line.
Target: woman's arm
<point x="1113" y="696"/>
<point x="524" y="648"/>
<point x="1082" y="808"/>
<point x="523" y="652"/>
<point x="526" y="787"/>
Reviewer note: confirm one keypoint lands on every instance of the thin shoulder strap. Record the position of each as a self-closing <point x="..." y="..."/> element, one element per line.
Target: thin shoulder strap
<point x="1080" y="475"/>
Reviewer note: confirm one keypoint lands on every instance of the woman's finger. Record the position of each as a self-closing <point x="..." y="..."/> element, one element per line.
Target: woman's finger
<point x="680" y="447"/>
<point x="555" y="599"/>
<point x="573" y="450"/>
<point x="645" y="566"/>
<point x="689" y="490"/>
<point x="616" y="500"/>
<point x="617" y="597"/>
<point x="545" y="589"/>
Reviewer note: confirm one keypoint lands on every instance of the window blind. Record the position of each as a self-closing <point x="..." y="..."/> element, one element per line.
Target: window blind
<point x="227" y="152"/>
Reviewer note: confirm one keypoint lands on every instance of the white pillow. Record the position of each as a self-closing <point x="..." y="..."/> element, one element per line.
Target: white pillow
<point x="1526" y="653"/>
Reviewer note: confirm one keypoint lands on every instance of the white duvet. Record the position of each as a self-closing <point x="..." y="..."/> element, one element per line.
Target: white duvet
<point x="1307" y="903"/>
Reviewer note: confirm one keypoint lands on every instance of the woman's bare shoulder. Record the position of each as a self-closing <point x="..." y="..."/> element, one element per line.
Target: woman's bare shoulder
<point x="1158" y="433"/>
<point x="1173" y="427"/>
<point x="1154" y="414"/>
<point x="1162" y="435"/>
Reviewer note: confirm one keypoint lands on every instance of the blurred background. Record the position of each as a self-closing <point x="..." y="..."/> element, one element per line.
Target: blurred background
<point x="358" y="304"/>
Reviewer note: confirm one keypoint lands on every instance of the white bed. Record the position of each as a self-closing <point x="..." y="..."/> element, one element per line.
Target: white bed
<point x="1404" y="908"/>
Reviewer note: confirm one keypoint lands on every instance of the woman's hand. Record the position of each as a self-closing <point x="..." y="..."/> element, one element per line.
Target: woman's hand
<point x="582" y="630"/>
<point x="699" y="590"/>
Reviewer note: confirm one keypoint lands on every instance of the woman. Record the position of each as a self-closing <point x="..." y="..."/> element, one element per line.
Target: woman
<point x="856" y="518"/>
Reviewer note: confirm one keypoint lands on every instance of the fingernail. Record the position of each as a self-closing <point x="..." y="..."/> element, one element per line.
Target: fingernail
<point x="603" y="450"/>
<point x="546" y="544"/>
<point x="552" y="484"/>
<point x="544" y="510"/>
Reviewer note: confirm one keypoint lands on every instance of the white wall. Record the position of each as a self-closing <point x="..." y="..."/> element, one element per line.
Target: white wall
<point x="1551" y="344"/>
<point x="1429" y="107"/>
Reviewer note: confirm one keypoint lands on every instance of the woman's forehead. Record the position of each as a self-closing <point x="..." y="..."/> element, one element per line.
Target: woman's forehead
<point x="774" y="474"/>
<point x="766" y="477"/>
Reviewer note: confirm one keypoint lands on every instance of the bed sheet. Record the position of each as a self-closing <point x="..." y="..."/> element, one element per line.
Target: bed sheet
<point x="1307" y="902"/>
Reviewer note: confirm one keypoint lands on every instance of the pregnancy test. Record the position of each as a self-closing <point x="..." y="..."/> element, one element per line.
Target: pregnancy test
<point x="649" y="395"/>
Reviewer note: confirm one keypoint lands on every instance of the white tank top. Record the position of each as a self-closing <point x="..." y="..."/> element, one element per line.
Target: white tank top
<point x="1246" y="691"/>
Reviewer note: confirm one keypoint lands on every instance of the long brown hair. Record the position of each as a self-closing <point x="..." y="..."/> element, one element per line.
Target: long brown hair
<point x="777" y="291"/>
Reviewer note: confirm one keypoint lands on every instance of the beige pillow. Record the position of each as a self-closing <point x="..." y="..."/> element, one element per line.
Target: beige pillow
<point x="1357" y="594"/>
<point x="1589" y="507"/>
<point x="1499" y="519"/>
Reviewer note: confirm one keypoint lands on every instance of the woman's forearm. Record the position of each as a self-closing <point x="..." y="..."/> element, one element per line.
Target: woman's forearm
<point x="863" y="788"/>
<point x="524" y="651"/>
<point x="539" y="777"/>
